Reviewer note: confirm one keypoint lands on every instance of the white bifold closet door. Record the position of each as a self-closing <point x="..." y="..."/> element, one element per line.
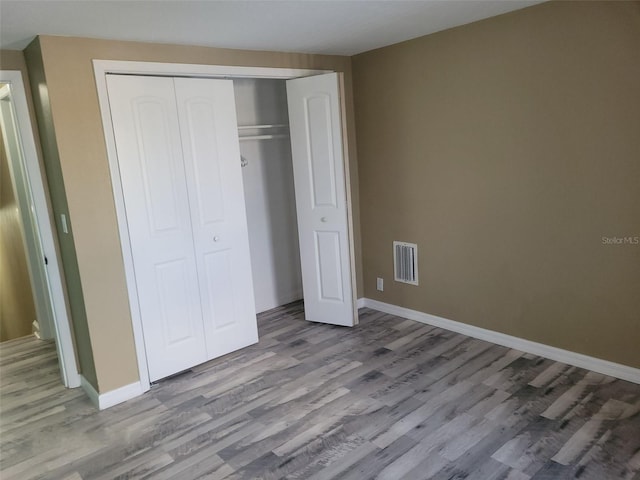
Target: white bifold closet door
<point x="179" y="161"/>
<point x="321" y="185"/>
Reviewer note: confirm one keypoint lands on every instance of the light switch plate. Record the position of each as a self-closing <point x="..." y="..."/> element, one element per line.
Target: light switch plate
<point x="380" y="284"/>
<point x="63" y="220"/>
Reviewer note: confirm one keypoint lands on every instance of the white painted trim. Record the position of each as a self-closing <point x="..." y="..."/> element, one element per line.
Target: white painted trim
<point x="101" y="68"/>
<point x="605" y="367"/>
<point x="123" y="229"/>
<point x="361" y="303"/>
<point x="52" y="274"/>
<point x="105" y="400"/>
<point x="119" y="395"/>
<point x="342" y="98"/>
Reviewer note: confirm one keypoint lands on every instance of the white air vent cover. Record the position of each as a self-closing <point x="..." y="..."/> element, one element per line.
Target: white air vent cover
<point x="405" y="262"/>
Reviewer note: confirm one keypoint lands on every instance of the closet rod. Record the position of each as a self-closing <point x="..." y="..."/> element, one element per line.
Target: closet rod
<point x="263" y="137"/>
<point x="260" y="127"/>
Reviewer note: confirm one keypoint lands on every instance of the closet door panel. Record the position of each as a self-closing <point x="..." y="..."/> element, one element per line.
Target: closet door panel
<point x="156" y="197"/>
<point x="321" y="199"/>
<point x="199" y="126"/>
<point x="207" y="116"/>
<point x="219" y="291"/>
<point x="321" y="155"/>
<point x="175" y="301"/>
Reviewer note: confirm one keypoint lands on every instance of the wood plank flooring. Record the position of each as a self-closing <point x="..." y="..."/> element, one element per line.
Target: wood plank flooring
<point x="389" y="399"/>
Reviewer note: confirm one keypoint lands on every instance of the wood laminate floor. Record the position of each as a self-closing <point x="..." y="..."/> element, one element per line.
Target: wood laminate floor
<point x="390" y="399"/>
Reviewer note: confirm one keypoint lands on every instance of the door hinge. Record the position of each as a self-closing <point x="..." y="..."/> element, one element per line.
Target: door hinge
<point x="46" y="261"/>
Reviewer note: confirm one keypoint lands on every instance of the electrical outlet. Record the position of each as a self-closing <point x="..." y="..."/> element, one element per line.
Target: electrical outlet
<point x="380" y="284"/>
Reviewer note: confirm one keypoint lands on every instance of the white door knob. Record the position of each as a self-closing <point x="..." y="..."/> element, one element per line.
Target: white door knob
<point x="216" y="238"/>
<point x="324" y="220"/>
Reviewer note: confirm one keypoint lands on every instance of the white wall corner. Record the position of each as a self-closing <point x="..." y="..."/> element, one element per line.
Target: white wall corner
<point x="617" y="370"/>
<point x="113" y="397"/>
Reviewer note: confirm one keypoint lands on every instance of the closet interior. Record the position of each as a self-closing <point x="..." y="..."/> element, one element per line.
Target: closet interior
<point x="267" y="173"/>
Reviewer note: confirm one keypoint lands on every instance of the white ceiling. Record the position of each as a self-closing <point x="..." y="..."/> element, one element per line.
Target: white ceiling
<point x="343" y="27"/>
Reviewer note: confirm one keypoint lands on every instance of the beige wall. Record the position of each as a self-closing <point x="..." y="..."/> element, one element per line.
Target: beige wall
<point x="13" y="60"/>
<point x="17" y="310"/>
<point x="507" y="149"/>
<point x="67" y="71"/>
<point x="58" y="202"/>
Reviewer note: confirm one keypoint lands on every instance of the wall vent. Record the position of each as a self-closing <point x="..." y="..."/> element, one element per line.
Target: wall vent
<point x="405" y="262"/>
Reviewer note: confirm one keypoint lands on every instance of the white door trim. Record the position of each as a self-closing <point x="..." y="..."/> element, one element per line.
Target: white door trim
<point x="44" y="232"/>
<point x="101" y="68"/>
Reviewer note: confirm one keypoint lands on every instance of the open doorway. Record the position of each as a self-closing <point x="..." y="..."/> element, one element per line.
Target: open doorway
<point x="17" y="307"/>
<point x="267" y="173"/>
<point x="29" y="211"/>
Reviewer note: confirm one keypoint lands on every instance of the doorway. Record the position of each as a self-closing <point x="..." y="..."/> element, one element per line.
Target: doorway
<point x="42" y="260"/>
<point x="267" y="173"/>
<point x="324" y="185"/>
<point x="17" y="306"/>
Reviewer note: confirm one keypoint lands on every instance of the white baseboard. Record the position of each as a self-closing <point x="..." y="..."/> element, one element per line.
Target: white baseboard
<point x="360" y="303"/>
<point x="280" y="301"/>
<point x="290" y="297"/>
<point x="113" y="397"/>
<point x="605" y="367"/>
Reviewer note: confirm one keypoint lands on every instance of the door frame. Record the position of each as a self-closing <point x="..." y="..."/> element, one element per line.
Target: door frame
<point x="41" y="229"/>
<point x="103" y="67"/>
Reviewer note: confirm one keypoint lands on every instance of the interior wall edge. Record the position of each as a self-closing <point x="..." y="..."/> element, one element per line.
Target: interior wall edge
<point x="56" y="192"/>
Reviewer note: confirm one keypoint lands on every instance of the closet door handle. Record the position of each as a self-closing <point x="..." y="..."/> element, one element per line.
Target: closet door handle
<point x="324" y="219"/>
<point x="216" y="238"/>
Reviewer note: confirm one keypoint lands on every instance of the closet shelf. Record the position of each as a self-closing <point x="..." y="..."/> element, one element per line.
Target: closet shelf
<point x="263" y="137"/>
